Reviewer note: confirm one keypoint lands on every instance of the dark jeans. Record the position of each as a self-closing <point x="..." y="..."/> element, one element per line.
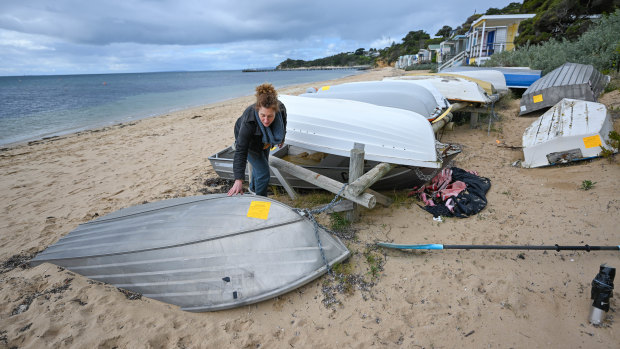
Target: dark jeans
<point x="260" y="171"/>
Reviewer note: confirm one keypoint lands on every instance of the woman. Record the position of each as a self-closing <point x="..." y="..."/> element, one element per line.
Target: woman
<point x="260" y="127"/>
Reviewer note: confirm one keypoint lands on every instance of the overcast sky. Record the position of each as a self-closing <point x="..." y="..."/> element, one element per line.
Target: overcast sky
<point x="113" y="36"/>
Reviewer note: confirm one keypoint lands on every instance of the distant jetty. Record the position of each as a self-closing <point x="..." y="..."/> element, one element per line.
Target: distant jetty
<point x="355" y="67"/>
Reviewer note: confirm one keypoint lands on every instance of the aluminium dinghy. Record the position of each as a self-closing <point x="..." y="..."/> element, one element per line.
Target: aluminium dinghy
<point x="570" y="80"/>
<point x="201" y="253"/>
<point x="335" y="167"/>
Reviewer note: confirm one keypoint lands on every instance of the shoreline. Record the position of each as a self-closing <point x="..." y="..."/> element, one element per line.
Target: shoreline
<point x="450" y="298"/>
<point x="100" y="126"/>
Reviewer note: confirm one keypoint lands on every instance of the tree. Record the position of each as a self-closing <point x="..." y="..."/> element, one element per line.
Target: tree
<point x="413" y="42"/>
<point x="464" y="28"/>
<point x="560" y="19"/>
<point x="444" y="32"/>
<point x="359" y="51"/>
<point x="512" y="8"/>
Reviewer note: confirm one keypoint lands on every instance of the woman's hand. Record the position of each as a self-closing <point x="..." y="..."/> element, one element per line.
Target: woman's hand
<point x="237" y="188"/>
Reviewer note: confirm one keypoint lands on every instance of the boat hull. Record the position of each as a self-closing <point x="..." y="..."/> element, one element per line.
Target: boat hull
<point x="516" y="77"/>
<point x="329" y="165"/>
<point x="571" y="130"/>
<point x="393" y="93"/>
<point x="334" y="126"/>
<point x="571" y="80"/>
<point x="451" y="87"/>
<point x="494" y="77"/>
<point x="201" y="253"/>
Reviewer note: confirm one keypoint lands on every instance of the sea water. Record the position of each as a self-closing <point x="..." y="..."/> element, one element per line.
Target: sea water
<point x="35" y="107"/>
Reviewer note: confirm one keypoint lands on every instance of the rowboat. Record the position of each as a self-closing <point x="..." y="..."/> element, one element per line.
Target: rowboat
<point x="335" y="167"/>
<point x="494" y="77"/>
<point x="202" y="253"/>
<point x="571" y="80"/>
<point x="333" y="126"/>
<point x="571" y="130"/>
<point x="516" y="77"/>
<point x="389" y="93"/>
<point x="485" y="85"/>
<point x="451" y="87"/>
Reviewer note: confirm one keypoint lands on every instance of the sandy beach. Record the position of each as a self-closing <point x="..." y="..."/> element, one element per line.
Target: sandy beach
<point x="439" y="299"/>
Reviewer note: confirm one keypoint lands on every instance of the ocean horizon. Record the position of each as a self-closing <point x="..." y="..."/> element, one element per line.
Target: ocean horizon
<point x="33" y="107"/>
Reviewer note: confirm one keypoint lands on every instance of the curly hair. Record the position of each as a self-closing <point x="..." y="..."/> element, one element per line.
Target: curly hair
<point x="266" y="96"/>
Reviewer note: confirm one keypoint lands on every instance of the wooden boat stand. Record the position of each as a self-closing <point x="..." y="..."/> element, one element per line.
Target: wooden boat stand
<point x="357" y="191"/>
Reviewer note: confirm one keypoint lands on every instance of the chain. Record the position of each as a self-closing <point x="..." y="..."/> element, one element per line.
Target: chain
<point x="310" y="215"/>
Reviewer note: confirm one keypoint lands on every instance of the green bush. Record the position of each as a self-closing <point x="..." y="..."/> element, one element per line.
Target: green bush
<point x="599" y="46"/>
<point x="423" y="66"/>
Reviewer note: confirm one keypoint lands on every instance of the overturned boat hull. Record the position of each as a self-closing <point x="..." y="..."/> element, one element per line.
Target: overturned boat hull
<point x="201" y="253"/>
<point x="333" y="126"/>
<point x="571" y="130"/>
<point x="494" y="77"/>
<point x="392" y="93"/>
<point x="335" y="167"/>
<point x="485" y="85"/>
<point x="571" y="80"/>
<point x="516" y="77"/>
<point x="451" y="87"/>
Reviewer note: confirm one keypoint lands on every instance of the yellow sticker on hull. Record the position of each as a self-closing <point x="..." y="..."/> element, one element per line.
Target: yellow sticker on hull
<point x="592" y="141"/>
<point x="537" y="98"/>
<point x="325" y="88"/>
<point x="259" y="209"/>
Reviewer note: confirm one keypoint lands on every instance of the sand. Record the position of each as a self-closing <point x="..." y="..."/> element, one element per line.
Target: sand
<point x="451" y="298"/>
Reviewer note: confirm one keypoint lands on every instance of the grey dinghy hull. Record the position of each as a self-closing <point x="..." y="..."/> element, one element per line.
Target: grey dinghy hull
<point x="570" y="80"/>
<point x="201" y="253"/>
<point x="335" y="167"/>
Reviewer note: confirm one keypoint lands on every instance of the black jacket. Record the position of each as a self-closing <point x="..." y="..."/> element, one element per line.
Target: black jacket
<point x="248" y="137"/>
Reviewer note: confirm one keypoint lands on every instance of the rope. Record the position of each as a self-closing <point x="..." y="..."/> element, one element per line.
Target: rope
<point x="310" y="215"/>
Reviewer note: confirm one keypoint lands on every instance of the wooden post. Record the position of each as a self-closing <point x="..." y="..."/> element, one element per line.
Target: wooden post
<point x="289" y="189"/>
<point x="365" y="199"/>
<point x="356" y="169"/>
<point x="381" y="199"/>
<point x="441" y="123"/>
<point x="364" y="182"/>
<point x="473" y="120"/>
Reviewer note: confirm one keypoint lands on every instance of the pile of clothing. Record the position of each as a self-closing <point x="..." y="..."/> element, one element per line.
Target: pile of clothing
<point x="454" y="192"/>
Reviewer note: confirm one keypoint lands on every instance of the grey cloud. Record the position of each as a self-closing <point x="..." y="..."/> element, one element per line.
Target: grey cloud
<point x="65" y="36"/>
<point x="189" y="22"/>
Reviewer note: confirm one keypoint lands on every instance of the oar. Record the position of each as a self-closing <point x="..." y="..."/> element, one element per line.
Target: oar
<point x="498" y="247"/>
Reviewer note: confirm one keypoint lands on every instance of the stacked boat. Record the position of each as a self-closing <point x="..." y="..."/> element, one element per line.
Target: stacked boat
<point x="574" y="127"/>
<point x="513" y="77"/>
<point x="391" y="118"/>
<point x="323" y="127"/>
